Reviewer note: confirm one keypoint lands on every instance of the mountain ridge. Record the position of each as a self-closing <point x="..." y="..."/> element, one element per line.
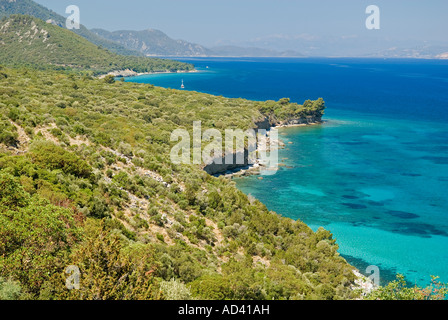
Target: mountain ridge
<point x="149" y="42"/>
<point x="154" y="42"/>
<point x="26" y="40"/>
<point x="88" y="161"/>
<point x="138" y="42"/>
<point x="31" y="8"/>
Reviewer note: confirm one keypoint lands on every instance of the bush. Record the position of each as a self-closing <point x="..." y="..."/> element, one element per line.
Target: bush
<point x="110" y="270"/>
<point x="12" y="194"/>
<point x="9" y="138"/>
<point x="33" y="239"/>
<point x="398" y="290"/>
<point x="8" y="133"/>
<point x="174" y="290"/>
<point x="51" y="156"/>
<point x="109" y="79"/>
<point x="14" y="114"/>
<point x="125" y="148"/>
<point x="160" y="237"/>
<point x="9" y="289"/>
<point x="211" y="287"/>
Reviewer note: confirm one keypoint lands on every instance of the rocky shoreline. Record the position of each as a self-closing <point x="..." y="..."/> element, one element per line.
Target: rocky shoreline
<point x="131" y="73"/>
<point x="246" y="169"/>
<point x="363" y="284"/>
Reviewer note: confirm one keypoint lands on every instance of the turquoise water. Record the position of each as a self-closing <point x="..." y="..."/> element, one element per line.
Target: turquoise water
<point x="375" y="173"/>
<point x="378" y="185"/>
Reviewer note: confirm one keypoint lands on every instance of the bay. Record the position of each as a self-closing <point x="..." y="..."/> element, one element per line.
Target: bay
<point x="375" y="173"/>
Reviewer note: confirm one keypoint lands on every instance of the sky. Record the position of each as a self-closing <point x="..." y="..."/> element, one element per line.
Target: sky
<point x="212" y="22"/>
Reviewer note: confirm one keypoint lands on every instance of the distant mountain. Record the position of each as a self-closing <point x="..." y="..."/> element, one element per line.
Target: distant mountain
<point x="227" y="51"/>
<point x="149" y="42"/>
<point x="417" y="52"/>
<point x="29" y="7"/>
<point x="25" y="40"/>
<point x="371" y="46"/>
<point x="153" y="42"/>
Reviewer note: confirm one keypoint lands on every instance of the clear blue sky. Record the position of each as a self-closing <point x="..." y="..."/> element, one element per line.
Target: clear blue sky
<point x="209" y="21"/>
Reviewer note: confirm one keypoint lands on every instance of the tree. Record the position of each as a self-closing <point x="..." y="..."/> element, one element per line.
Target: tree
<point x="109" y="79"/>
<point x="109" y="269"/>
<point x="12" y="194"/>
<point x="34" y="240"/>
<point x="9" y="289"/>
<point x="174" y="290"/>
<point x="52" y="156"/>
<point x="398" y="290"/>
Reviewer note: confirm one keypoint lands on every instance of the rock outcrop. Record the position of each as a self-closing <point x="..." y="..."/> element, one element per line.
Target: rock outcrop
<point x="120" y="73"/>
<point x="219" y="166"/>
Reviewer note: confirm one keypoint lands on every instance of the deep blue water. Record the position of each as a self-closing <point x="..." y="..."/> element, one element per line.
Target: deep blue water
<point x="375" y="173"/>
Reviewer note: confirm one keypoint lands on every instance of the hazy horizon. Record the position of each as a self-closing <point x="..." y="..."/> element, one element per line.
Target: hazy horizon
<point x="327" y="28"/>
<point x="211" y="23"/>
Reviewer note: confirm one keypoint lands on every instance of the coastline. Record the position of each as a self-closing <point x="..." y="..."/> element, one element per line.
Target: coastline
<point x="257" y="166"/>
<point x="342" y="113"/>
<point x="128" y="73"/>
<point x="362" y="283"/>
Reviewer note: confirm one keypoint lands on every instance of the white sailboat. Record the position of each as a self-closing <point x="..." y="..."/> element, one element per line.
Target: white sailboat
<point x="182" y="86"/>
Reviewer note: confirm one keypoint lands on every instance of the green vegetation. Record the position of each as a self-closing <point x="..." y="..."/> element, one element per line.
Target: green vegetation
<point x="87" y="181"/>
<point x="153" y="42"/>
<point x="28" y="41"/>
<point x="8" y="133"/>
<point x="9" y="290"/>
<point x="284" y="109"/>
<point x="90" y="171"/>
<point x="399" y="290"/>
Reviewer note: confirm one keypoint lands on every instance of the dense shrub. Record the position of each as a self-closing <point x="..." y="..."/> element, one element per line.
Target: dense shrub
<point x="101" y="202"/>
<point x="51" y="156"/>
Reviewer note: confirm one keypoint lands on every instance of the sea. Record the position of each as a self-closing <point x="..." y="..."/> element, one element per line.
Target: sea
<point x="375" y="173"/>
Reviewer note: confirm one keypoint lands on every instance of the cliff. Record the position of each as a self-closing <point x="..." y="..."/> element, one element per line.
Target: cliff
<point x="218" y="166"/>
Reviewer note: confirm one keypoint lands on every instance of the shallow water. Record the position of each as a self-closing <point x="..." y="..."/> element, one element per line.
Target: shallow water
<point x="381" y="197"/>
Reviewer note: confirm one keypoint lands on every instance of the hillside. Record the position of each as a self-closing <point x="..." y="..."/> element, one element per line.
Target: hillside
<point x="25" y="40"/>
<point x="149" y="42"/>
<point x="87" y="163"/>
<point x="31" y="8"/>
<point x="86" y="180"/>
<point x="153" y="42"/>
